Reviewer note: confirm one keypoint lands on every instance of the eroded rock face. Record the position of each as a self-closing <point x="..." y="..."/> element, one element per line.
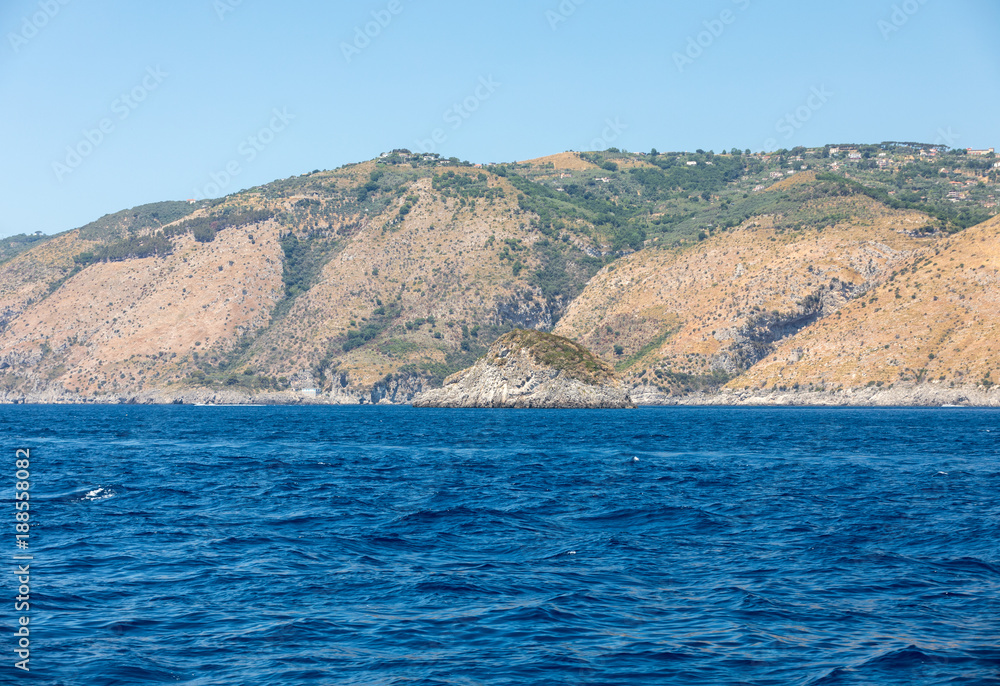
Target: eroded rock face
<point x="530" y="369"/>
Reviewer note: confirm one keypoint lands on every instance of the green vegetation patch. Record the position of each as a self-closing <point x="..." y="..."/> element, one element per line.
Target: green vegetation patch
<point x="137" y="219"/>
<point x="462" y="185"/>
<point x="357" y="337"/>
<point x="952" y="220"/>
<point x="652" y="345"/>
<point x="398" y="347"/>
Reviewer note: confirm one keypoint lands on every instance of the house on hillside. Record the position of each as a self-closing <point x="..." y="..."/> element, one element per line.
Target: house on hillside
<point x="855" y="156"/>
<point x="980" y="153"/>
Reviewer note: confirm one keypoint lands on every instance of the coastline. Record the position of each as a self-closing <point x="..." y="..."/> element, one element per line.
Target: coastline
<point x="912" y="395"/>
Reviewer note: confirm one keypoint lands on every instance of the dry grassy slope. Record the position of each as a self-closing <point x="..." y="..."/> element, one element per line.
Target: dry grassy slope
<point x="134" y="325"/>
<point x="27" y="277"/>
<point x="126" y="325"/>
<point x="439" y="262"/>
<point x="944" y="326"/>
<point x="563" y="160"/>
<point x="681" y="310"/>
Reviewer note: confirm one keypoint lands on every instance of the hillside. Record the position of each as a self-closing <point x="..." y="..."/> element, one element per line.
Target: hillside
<point x="933" y="321"/>
<point x="701" y="277"/>
<point x="679" y="320"/>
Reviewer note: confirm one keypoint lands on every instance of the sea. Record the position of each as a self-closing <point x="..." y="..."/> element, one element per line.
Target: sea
<point x="390" y="545"/>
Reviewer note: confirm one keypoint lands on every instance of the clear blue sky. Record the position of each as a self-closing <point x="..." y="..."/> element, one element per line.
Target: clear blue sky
<point x="207" y="75"/>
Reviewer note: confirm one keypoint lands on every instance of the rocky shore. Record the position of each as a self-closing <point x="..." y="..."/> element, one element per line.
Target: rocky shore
<point x="525" y="383"/>
<point x="900" y="395"/>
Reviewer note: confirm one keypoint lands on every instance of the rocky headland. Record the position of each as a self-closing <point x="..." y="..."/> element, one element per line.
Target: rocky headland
<point x="532" y="369"/>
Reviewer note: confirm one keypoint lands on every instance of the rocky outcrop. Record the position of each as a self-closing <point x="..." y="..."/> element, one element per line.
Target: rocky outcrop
<point x="531" y="369"/>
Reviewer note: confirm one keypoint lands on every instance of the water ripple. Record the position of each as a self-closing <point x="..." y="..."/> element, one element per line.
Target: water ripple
<point x="316" y="545"/>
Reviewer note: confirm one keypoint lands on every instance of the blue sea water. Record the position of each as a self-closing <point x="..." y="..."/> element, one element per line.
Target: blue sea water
<point x="389" y="545"/>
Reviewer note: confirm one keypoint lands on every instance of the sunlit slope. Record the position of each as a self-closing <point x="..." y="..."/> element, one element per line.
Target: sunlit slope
<point x="689" y="319"/>
<point x="121" y="326"/>
<point x="936" y="320"/>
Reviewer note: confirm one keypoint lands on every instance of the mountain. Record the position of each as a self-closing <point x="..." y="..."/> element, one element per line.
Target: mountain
<point x="700" y="277"/>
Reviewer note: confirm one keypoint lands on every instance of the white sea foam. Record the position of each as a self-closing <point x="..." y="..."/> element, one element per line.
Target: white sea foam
<point x="99" y="493"/>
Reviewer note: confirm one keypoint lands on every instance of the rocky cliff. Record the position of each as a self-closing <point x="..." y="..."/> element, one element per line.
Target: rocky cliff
<point x="531" y="369"/>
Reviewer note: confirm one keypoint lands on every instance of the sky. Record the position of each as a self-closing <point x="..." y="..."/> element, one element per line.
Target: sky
<point x="105" y="106"/>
